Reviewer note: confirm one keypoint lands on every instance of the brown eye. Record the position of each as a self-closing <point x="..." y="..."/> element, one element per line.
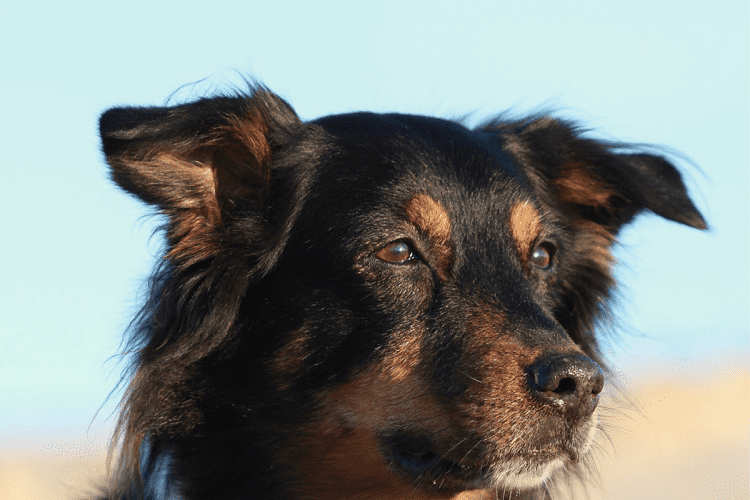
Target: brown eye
<point x="397" y="252"/>
<point x="542" y="255"/>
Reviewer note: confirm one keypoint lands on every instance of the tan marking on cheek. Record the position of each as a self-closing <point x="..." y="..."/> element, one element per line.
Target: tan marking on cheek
<point x="289" y="359"/>
<point x="390" y="391"/>
<point x="525" y="227"/>
<point x="403" y="358"/>
<point x="338" y="455"/>
<point x="582" y="188"/>
<point x="339" y="465"/>
<point x="430" y="216"/>
<point x="348" y="466"/>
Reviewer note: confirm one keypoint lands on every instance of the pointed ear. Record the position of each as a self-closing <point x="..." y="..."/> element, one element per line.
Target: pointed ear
<point x="657" y="185"/>
<point x="199" y="163"/>
<point x="592" y="181"/>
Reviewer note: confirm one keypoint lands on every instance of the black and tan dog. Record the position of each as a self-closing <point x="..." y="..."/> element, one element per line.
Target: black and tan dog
<point x="369" y="306"/>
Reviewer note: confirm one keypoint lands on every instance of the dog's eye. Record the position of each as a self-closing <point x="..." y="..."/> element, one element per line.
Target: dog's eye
<point x="542" y="255"/>
<point x="397" y="252"/>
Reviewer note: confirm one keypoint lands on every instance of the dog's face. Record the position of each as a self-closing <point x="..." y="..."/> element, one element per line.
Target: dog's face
<point x="379" y="306"/>
<point x="426" y="272"/>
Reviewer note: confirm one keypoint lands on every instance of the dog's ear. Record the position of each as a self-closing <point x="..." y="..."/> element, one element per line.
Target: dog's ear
<point x="598" y="190"/>
<point x="200" y="162"/>
<point x="593" y="181"/>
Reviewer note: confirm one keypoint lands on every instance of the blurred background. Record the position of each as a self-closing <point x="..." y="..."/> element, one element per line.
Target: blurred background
<point x="75" y="250"/>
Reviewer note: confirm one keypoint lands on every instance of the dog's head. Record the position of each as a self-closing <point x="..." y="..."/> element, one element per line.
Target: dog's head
<point x="383" y="305"/>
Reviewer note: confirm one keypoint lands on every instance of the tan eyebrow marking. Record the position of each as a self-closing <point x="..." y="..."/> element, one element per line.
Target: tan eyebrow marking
<point x="429" y="215"/>
<point x="525" y="226"/>
<point x="432" y="218"/>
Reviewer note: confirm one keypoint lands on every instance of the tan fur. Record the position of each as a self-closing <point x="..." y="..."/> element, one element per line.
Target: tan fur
<point x="525" y="226"/>
<point x="430" y="217"/>
<point x="581" y="188"/>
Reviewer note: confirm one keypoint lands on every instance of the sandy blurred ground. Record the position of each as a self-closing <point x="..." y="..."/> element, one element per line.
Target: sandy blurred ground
<point x="57" y="472"/>
<point x="678" y="437"/>
<point x="682" y="437"/>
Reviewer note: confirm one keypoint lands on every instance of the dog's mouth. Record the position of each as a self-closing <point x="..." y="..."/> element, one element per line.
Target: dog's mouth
<point x="416" y="459"/>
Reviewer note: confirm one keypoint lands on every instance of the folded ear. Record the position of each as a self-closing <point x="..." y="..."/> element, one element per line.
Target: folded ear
<point x="199" y="162"/>
<point x="597" y="190"/>
<point x="595" y="182"/>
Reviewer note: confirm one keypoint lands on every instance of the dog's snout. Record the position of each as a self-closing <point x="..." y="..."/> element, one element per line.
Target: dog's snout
<point x="570" y="383"/>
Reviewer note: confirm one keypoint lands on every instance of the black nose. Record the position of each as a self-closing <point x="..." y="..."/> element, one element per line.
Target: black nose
<point x="570" y="383"/>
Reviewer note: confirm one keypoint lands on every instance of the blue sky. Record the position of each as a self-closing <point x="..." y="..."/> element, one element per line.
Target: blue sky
<point x="75" y="250"/>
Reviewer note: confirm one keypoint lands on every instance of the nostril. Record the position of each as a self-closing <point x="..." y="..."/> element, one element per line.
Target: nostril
<point x="566" y="385"/>
<point x="569" y="383"/>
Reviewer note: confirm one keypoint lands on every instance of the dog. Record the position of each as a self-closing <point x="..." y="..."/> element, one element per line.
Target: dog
<point x="369" y="306"/>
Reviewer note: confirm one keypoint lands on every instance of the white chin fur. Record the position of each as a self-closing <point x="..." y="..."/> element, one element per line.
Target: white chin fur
<point x="519" y="474"/>
<point x="526" y="473"/>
